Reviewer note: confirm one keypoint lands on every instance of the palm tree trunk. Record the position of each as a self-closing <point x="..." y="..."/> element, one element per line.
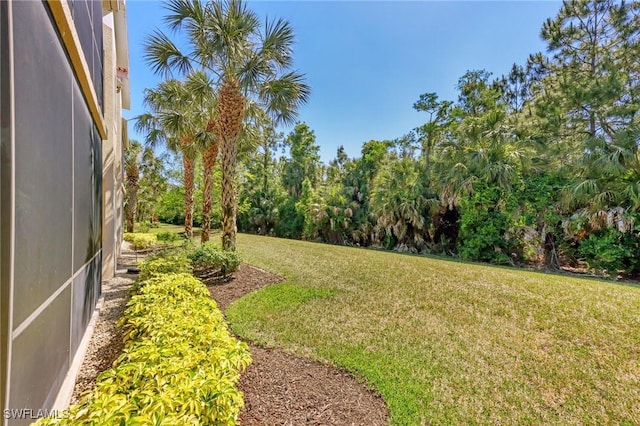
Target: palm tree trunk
<point x="132" y="200"/>
<point x="231" y="104"/>
<point x="188" y="162"/>
<point x="209" y="161"/>
<point x="132" y="186"/>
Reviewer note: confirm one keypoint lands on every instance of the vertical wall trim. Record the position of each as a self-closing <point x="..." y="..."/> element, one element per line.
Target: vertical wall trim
<point x="5" y="193"/>
<point x="12" y="202"/>
<point x="73" y="177"/>
<point x="64" y="23"/>
<point x="114" y="214"/>
<point x="73" y="212"/>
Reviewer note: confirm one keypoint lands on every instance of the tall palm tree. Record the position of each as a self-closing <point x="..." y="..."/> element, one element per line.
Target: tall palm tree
<point x="202" y="88"/>
<point x="250" y="62"/>
<point x="132" y="179"/>
<point x="173" y="120"/>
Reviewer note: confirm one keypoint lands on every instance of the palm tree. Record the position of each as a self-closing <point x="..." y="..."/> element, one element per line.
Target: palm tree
<point x="152" y="184"/>
<point x="132" y="172"/>
<point x="209" y="156"/>
<point x="173" y="120"/>
<point x="250" y="63"/>
<point x="608" y="182"/>
<point x="400" y="203"/>
<point x="202" y="88"/>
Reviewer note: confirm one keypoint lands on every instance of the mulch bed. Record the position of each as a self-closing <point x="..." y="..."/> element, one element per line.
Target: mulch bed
<point x="279" y="388"/>
<point x="283" y="389"/>
<point x="245" y="280"/>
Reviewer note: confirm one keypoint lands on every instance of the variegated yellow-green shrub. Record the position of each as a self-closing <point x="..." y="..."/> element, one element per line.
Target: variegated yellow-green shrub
<point x="140" y="241"/>
<point x="174" y="261"/>
<point x="179" y="366"/>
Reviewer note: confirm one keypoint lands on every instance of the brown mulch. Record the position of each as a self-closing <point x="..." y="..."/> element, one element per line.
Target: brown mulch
<point x="245" y="280"/>
<point x="283" y="389"/>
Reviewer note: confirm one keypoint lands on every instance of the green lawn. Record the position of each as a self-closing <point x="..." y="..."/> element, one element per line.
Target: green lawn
<point x="448" y="342"/>
<point x="167" y="227"/>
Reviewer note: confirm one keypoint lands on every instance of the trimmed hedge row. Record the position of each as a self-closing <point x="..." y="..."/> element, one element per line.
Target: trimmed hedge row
<point x="179" y="365"/>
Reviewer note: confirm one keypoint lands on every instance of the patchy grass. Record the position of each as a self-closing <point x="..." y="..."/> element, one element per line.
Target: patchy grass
<point x="448" y="342"/>
<point x="167" y="227"/>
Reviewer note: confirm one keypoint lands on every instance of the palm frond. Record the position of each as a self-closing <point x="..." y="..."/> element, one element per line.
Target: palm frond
<point x="203" y="88"/>
<point x="163" y="56"/>
<point x="283" y="96"/>
<point x="277" y="41"/>
<point x="233" y="28"/>
<point x="254" y="69"/>
<point x="148" y="124"/>
<point x="184" y="10"/>
<point x="586" y="189"/>
<point x="632" y="192"/>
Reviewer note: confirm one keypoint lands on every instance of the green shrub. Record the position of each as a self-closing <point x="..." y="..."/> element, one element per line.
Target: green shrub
<point x="140" y="241"/>
<point x="143" y="228"/>
<point x="209" y="258"/>
<point x="484" y="226"/>
<point x="179" y="365"/>
<point x="612" y="251"/>
<point x="290" y="223"/>
<point x="165" y="263"/>
<point x="167" y="237"/>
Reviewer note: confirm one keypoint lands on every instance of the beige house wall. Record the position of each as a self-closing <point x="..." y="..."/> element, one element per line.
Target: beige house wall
<point x="115" y="89"/>
<point x="109" y="216"/>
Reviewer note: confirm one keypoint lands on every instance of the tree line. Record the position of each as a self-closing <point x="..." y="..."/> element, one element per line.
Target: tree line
<point x="539" y="166"/>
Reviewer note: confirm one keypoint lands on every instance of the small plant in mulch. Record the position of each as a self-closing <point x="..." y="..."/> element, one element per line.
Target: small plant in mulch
<point x="211" y="263"/>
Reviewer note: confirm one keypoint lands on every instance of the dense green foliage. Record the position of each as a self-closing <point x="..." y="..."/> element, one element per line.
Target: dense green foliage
<point x="179" y="364"/>
<point x="612" y="251"/>
<point x="167" y="237"/>
<point x="169" y="205"/>
<point x="483" y="227"/>
<point x="153" y="184"/>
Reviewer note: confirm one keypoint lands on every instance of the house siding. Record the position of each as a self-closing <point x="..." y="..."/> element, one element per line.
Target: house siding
<point x="52" y="206"/>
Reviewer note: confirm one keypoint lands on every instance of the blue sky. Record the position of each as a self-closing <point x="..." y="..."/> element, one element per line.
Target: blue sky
<point x="367" y="62"/>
